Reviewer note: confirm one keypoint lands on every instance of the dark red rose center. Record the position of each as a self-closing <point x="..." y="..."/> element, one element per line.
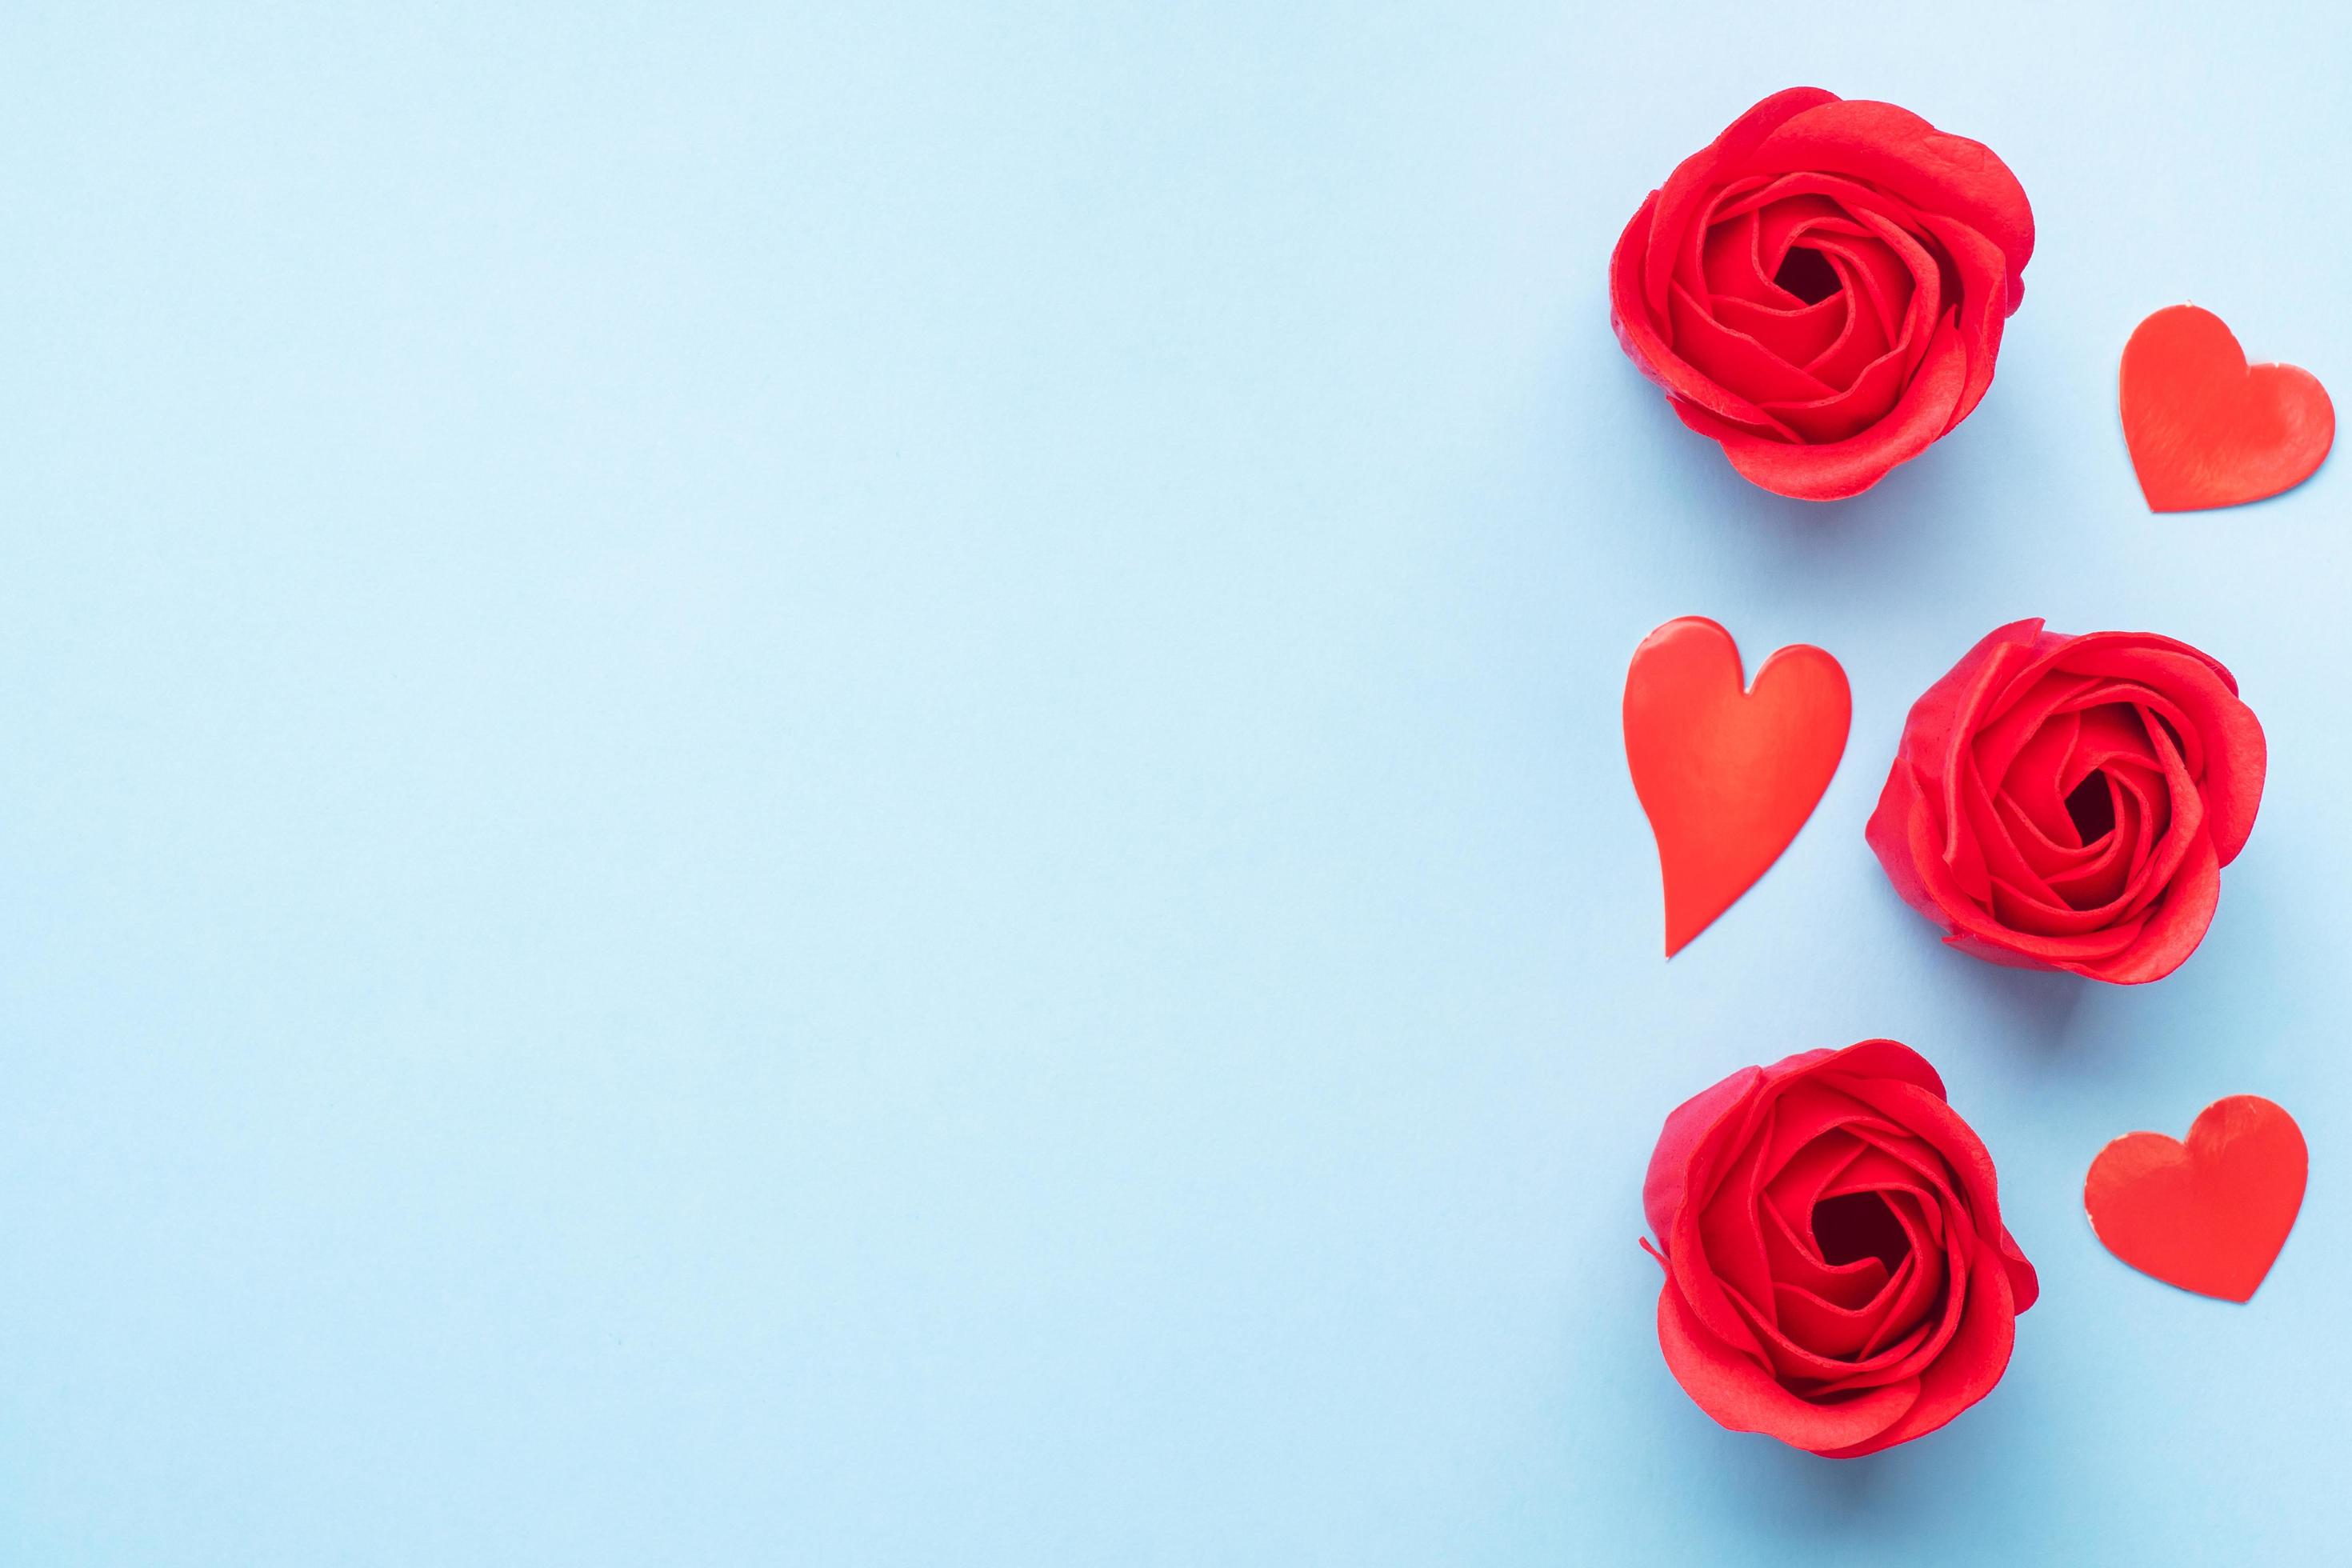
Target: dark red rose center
<point x="1807" y="273"/>
<point x="1855" y="1226"/>
<point x="2092" y="806"/>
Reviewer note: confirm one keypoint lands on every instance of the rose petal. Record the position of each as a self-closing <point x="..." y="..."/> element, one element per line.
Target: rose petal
<point x="1693" y="1127"/>
<point x="1809" y="1370"/>
<point x="1686" y="192"/>
<point x="1722" y="1154"/>
<point x="2032" y="775"/>
<point x="1911" y="1300"/>
<point x="2161" y="863"/>
<point x="1740" y="1395"/>
<point x="1731" y="1221"/>
<point x="1931" y="1304"/>
<point x="1731" y="266"/>
<point x="1863" y="339"/>
<point x="1810" y="195"/>
<point x="1843" y="416"/>
<point x="1889" y="1061"/>
<point x="1798" y="337"/>
<point x="1880" y="279"/>
<point x="1803" y="1108"/>
<point x="1934" y="1122"/>
<point x="1642" y="336"/>
<point x="1926" y="303"/>
<point x="2103" y="876"/>
<point x="2235" y="752"/>
<point x="2173" y="928"/>
<point x="2052" y="861"/>
<point x="1984" y="303"/>
<point x="1736" y="360"/>
<point x="1846" y="468"/>
<point x="1997" y="745"/>
<point x="1824" y="1327"/>
<point x="1892" y="148"/>
<point x="1970" y="1364"/>
<point x="1796" y="1261"/>
<point x="1975" y="930"/>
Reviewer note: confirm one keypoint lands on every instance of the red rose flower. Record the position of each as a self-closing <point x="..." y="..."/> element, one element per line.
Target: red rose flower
<point x="1821" y="289"/>
<point x="2068" y="802"/>
<point x="1837" y="1275"/>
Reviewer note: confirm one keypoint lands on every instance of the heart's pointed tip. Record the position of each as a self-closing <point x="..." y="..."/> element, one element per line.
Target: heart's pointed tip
<point x="2219" y="1290"/>
<point x="2207" y="1291"/>
<point x="1682" y="931"/>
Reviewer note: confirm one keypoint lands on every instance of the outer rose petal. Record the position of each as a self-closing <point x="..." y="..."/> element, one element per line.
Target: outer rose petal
<point x="1974" y="928"/>
<point x="1639" y="333"/>
<point x="1837" y="470"/>
<point x="1985" y="304"/>
<point x="1913" y="802"/>
<point x="1869" y="1059"/>
<point x="1685" y="194"/>
<point x="1742" y="1395"/>
<point x="1889" y="834"/>
<point x="2024" y="1281"/>
<point x="1964" y="1373"/>
<point x="1932" y="170"/>
<point x="2173" y="931"/>
<point x="1688" y="1126"/>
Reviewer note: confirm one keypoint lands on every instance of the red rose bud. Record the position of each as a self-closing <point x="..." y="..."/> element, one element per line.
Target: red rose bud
<point x="1822" y="289"/>
<point x="1837" y="1275"/>
<point x="2068" y="802"/>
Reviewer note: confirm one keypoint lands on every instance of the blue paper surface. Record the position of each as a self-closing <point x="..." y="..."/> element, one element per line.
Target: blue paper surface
<point x="840" y="785"/>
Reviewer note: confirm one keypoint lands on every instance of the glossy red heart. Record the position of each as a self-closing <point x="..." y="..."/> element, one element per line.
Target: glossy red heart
<point x="1726" y="775"/>
<point x="2208" y="1216"/>
<point x="2207" y="429"/>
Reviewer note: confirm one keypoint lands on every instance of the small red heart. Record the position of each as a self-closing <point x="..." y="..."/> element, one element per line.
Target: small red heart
<point x="2208" y="1216"/>
<point x="1726" y="776"/>
<point x="2207" y="429"/>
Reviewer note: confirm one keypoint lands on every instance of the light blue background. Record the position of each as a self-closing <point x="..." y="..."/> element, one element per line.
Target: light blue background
<point x="841" y="786"/>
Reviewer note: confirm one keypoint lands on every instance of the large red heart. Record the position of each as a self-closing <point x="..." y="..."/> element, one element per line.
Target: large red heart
<point x="2208" y="1216"/>
<point x="2207" y="429"/>
<point x="1726" y="776"/>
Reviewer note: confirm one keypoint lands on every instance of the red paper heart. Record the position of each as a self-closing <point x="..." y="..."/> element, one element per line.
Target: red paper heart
<point x="2205" y="428"/>
<point x="2208" y="1216"/>
<point x="1726" y="776"/>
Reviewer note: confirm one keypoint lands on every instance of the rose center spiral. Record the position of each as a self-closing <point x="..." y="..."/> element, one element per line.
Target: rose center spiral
<point x="1855" y="1226"/>
<point x="2093" y="807"/>
<point x="1807" y="273"/>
